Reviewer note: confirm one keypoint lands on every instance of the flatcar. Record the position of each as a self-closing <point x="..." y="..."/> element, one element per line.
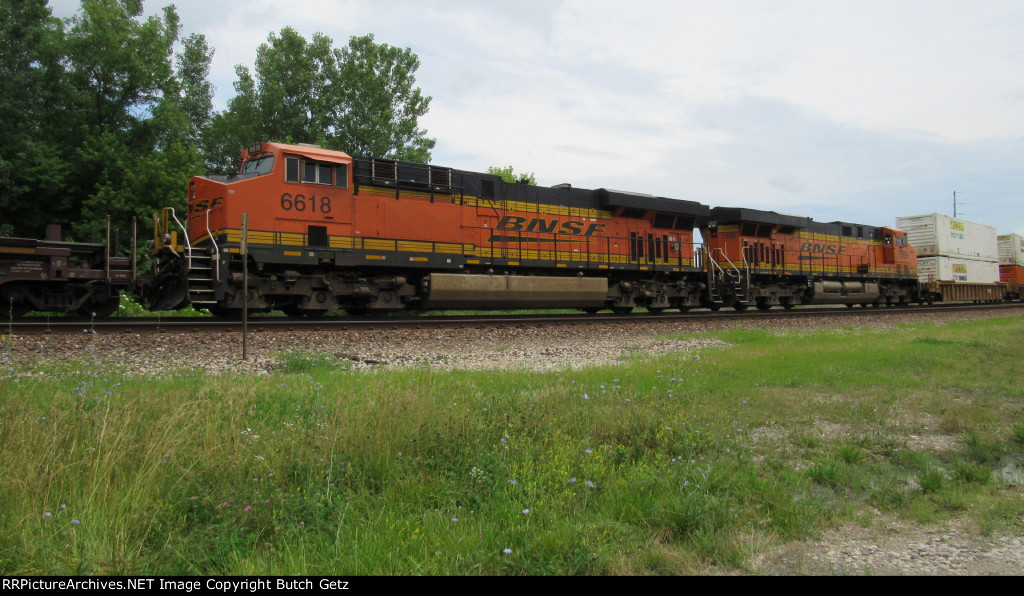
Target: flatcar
<point x="329" y="231"/>
<point x="51" y="275"/>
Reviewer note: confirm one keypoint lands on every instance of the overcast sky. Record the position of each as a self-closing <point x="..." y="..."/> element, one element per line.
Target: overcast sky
<point x="859" y="111"/>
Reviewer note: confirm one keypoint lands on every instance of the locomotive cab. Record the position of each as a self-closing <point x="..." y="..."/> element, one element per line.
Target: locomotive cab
<point x="281" y="187"/>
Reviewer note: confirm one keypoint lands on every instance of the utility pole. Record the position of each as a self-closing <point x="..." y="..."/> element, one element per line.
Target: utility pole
<point x="954" y="203"/>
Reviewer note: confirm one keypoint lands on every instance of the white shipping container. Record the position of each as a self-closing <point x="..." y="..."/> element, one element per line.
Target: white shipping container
<point x="937" y="235"/>
<point x="956" y="269"/>
<point x="1011" y="250"/>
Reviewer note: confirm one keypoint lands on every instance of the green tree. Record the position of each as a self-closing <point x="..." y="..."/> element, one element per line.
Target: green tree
<point x="32" y="165"/>
<point x="361" y="99"/>
<point x="196" y="92"/>
<point x="95" y="119"/>
<point x="133" y="123"/>
<point x="508" y="174"/>
<point x="119" y="70"/>
<point x="235" y="127"/>
<point x="380" y="105"/>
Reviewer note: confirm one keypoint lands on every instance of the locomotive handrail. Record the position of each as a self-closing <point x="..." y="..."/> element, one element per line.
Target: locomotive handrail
<point x="735" y="273"/>
<point x="184" y="232"/>
<point x="735" y="270"/>
<point x="216" y="249"/>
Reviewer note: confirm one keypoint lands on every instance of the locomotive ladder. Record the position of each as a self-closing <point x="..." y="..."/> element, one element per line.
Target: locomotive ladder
<point x="203" y="270"/>
<point x="722" y="278"/>
<point x="201" y="264"/>
<point x="201" y="279"/>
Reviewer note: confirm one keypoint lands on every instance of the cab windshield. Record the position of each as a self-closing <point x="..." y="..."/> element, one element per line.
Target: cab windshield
<point x="259" y="166"/>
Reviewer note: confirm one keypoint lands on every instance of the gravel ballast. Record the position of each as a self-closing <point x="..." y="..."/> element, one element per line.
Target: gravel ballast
<point x="530" y="348"/>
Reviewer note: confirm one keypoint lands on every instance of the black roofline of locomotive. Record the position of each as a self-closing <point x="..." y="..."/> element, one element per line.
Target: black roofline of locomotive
<point x="632" y="200"/>
<point x="735" y="215"/>
<point x="417" y="177"/>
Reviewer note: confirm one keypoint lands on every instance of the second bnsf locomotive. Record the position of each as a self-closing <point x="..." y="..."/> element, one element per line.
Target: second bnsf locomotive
<point x="329" y="231"/>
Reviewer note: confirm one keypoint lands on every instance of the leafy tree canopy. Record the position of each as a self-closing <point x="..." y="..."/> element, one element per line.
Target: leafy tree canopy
<point x="97" y="103"/>
<point x="109" y="113"/>
<point x="508" y="174"/>
<point x="360" y="98"/>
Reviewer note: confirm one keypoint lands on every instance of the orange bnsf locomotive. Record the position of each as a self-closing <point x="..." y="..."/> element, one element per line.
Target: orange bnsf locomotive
<point x="764" y="259"/>
<point x="329" y="231"/>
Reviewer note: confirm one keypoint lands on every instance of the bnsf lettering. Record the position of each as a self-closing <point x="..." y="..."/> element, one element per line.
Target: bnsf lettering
<point x="540" y="225"/>
<point x="825" y="249"/>
<point x="515" y="223"/>
<point x="204" y="204"/>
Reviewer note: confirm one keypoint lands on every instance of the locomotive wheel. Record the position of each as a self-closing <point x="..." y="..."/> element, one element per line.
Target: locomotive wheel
<point x="100" y="310"/>
<point x="293" y="310"/>
<point x="740" y="307"/>
<point x="764" y="306"/>
<point x="18" y="309"/>
<point x="225" y="313"/>
<point x="622" y="310"/>
<point x="655" y="309"/>
<point x="355" y="311"/>
<point x="786" y="302"/>
<point x="591" y="310"/>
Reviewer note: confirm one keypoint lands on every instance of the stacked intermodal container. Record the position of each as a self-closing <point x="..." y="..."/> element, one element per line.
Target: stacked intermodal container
<point x="1011" y="250"/>
<point x="1011" y="263"/>
<point x="950" y="249"/>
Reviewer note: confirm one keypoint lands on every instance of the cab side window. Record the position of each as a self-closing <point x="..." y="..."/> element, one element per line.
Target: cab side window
<point x="341" y="176"/>
<point x="291" y="170"/>
<point x="311" y="172"/>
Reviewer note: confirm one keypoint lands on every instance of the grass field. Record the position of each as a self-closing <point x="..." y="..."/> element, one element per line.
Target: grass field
<point x="687" y="463"/>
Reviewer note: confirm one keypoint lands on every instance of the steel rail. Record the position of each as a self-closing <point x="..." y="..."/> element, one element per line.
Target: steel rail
<point x="68" y="325"/>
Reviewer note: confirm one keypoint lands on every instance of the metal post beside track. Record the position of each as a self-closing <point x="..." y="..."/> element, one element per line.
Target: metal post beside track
<point x="244" y="250"/>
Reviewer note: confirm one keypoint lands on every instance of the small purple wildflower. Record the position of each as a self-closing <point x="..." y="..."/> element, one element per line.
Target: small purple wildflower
<point x="526" y="512"/>
<point x="75" y="522"/>
<point x="507" y="551"/>
<point x="47" y="515"/>
<point x="247" y="509"/>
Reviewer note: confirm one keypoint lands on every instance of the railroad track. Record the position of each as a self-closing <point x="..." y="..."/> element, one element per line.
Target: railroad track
<point x="67" y="325"/>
